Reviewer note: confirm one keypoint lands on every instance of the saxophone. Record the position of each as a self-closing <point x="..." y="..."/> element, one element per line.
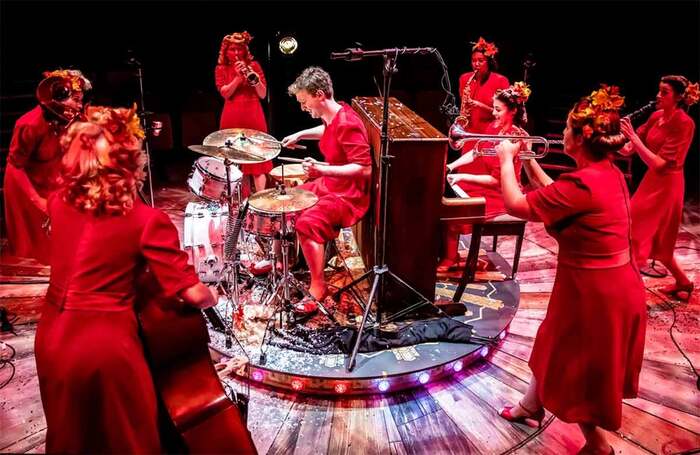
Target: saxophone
<point x="464" y="110"/>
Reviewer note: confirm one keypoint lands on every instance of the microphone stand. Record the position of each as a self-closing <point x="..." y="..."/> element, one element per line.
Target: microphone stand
<point x="381" y="270"/>
<point x="139" y="72"/>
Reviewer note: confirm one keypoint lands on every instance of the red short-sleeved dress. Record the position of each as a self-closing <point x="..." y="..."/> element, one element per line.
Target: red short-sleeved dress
<point x="657" y="205"/>
<point x="490" y="165"/>
<point x="243" y="109"/>
<point x="588" y="351"/>
<point x="480" y="119"/>
<point x="342" y="201"/>
<point x="34" y="149"/>
<point x="96" y="388"/>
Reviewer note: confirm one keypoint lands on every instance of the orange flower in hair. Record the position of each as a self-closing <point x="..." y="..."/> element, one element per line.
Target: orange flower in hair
<point x="691" y="95"/>
<point x="77" y="80"/>
<point x="597" y="112"/>
<point x="121" y="125"/>
<point x="239" y="38"/>
<point x="483" y="46"/>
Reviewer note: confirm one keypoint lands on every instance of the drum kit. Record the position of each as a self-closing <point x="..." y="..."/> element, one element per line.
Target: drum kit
<point x="221" y="226"/>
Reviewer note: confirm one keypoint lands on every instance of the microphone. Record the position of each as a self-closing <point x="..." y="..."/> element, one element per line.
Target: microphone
<point x="354" y="54"/>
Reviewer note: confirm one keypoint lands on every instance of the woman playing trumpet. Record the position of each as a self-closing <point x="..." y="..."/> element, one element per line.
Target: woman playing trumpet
<point x="241" y="82"/>
<point x="482" y="173"/>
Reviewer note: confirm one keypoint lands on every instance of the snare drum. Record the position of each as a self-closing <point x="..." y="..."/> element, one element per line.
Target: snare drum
<point x="208" y="179"/>
<point x="266" y="224"/>
<point x="293" y="174"/>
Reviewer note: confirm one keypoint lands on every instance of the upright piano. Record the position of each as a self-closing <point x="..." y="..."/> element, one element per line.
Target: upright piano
<point x="416" y="208"/>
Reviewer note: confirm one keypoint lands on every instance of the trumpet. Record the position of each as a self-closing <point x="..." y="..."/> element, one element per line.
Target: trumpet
<point x="457" y="137"/>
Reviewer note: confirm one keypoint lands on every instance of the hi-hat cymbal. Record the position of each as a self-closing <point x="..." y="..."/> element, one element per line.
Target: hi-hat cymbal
<point x="261" y="145"/>
<point x="271" y="201"/>
<point x="233" y="154"/>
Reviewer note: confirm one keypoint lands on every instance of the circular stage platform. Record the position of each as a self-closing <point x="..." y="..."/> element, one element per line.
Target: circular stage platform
<point x="489" y="307"/>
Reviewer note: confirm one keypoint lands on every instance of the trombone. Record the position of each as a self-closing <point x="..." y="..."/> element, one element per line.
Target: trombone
<point x="457" y="137"/>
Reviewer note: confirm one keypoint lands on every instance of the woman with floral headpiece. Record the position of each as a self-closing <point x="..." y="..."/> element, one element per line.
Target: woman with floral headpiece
<point x="480" y="175"/>
<point x="241" y="82"/>
<point x="657" y="205"/>
<point x="34" y="160"/>
<point x="588" y="351"/>
<point x="483" y="82"/>
<point x="96" y="388"/>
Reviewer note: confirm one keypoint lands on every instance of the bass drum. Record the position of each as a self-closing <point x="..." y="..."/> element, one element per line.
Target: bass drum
<point x="204" y="233"/>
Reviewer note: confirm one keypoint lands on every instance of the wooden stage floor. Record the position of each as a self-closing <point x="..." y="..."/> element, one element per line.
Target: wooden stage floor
<point x="457" y="415"/>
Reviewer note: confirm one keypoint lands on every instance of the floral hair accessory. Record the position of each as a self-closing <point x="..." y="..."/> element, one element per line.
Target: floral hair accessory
<point x="519" y="91"/>
<point x="596" y="112"/>
<point x="483" y="46"/>
<point x="77" y="81"/>
<point x="120" y="125"/>
<point x="239" y="38"/>
<point x="691" y="95"/>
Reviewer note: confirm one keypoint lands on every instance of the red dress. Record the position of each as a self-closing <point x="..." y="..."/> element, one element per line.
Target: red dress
<point x="34" y="149"/>
<point x="490" y="165"/>
<point x="243" y="109"/>
<point x="96" y="388"/>
<point x="588" y="351"/>
<point x="342" y="200"/>
<point x="480" y="118"/>
<point x="657" y="205"/>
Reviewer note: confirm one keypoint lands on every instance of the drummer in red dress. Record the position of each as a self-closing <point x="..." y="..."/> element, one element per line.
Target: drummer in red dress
<point x="588" y="351"/>
<point x="241" y="82"/>
<point x="657" y="206"/>
<point x="34" y="160"/>
<point x="478" y="86"/>
<point x="96" y="388"/>
<point x="342" y="186"/>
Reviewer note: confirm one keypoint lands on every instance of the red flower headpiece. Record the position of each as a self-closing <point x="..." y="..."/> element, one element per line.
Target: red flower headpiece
<point x="596" y="112"/>
<point x="691" y="95"/>
<point x="77" y="81"/>
<point x="238" y="38"/>
<point x="519" y="91"/>
<point x="120" y="125"/>
<point x="483" y="46"/>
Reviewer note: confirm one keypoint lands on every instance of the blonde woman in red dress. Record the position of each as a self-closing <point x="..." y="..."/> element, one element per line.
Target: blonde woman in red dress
<point x="588" y="351"/>
<point x="479" y="176"/>
<point x="34" y="161"/>
<point x="241" y="82"/>
<point x="657" y="206"/>
<point x="96" y="388"/>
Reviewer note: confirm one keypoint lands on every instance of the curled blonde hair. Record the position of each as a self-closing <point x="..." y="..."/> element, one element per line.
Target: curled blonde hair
<point x="101" y="173"/>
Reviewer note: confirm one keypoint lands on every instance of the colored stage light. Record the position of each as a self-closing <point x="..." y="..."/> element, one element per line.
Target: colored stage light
<point x="483" y="352"/>
<point x="502" y="335"/>
<point x="341" y="388"/>
<point x="424" y="378"/>
<point x="383" y="386"/>
<point x="257" y="375"/>
<point x="458" y="366"/>
<point x="297" y="385"/>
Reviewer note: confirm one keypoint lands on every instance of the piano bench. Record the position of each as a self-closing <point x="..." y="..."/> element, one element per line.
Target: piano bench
<point x="498" y="226"/>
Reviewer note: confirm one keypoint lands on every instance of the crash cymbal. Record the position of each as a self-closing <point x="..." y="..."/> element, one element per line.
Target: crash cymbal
<point x="235" y="155"/>
<point x="256" y="143"/>
<point x="272" y="201"/>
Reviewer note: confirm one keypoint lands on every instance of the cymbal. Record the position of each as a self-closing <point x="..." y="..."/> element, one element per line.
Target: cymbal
<point x="271" y="201"/>
<point x="256" y="143"/>
<point x="235" y="155"/>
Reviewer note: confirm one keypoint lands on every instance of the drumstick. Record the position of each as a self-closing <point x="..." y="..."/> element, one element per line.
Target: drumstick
<point x="300" y="160"/>
<point x="295" y="146"/>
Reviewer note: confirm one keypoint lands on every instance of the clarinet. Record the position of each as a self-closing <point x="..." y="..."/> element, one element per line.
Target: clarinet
<point x="650" y="106"/>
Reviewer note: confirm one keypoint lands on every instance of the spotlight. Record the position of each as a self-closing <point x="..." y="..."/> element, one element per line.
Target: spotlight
<point x="257" y="375"/>
<point x="483" y="352"/>
<point x="383" y="386"/>
<point x="341" y="388"/>
<point x="288" y="45"/>
<point x="458" y="366"/>
<point x="297" y="385"/>
<point x="424" y="378"/>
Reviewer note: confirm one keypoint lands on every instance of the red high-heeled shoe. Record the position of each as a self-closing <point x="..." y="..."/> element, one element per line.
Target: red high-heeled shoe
<point x="677" y="290"/>
<point x="537" y="416"/>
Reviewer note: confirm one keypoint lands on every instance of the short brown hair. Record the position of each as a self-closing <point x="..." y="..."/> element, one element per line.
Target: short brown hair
<point x="312" y="79"/>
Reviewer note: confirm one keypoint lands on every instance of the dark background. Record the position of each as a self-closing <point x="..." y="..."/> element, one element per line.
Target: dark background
<point x="575" y="46"/>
